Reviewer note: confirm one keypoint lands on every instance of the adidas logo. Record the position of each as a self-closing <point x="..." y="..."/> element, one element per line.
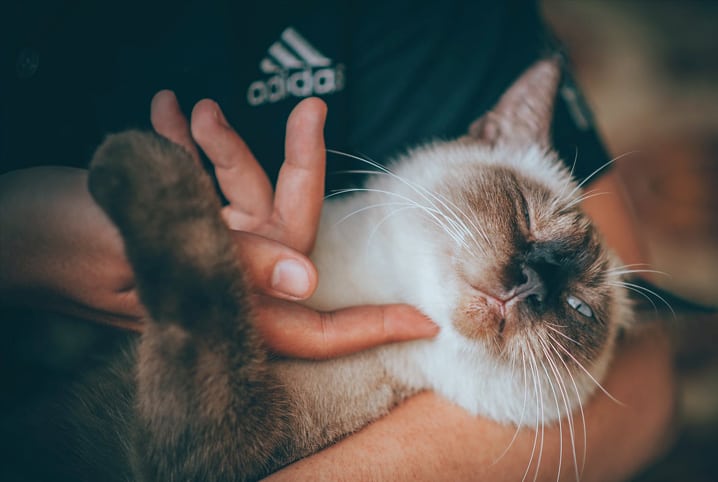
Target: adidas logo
<point x="295" y="68"/>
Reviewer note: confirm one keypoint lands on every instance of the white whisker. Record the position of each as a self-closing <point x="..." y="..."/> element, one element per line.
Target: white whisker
<point x="432" y="212"/>
<point x="584" y="197"/>
<point x="562" y="334"/>
<point x="523" y="409"/>
<point x="372" y="206"/>
<point x="564" y="395"/>
<point x="580" y="365"/>
<point x="643" y="290"/>
<point x="534" y="376"/>
<point x="591" y="176"/>
<point x="580" y="406"/>
<point x="558" y="408"/>
<point x="452" y="218"/>
<point x="623" y="272"/>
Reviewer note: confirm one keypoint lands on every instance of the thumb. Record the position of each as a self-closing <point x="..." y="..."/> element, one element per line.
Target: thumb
<point x="276" y="269"/>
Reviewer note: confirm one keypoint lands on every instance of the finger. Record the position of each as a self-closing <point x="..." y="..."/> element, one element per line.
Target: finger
<point x="169" y="121"/>
<point x="276" y="269"/>
<point x="119" y="317"/>
<point x="300" y="186"/>
<point x="295" y="330"/>
<point x="242" y="180"/>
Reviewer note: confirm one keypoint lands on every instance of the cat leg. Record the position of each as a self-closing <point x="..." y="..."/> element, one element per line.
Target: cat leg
<point x="208" y="406"/>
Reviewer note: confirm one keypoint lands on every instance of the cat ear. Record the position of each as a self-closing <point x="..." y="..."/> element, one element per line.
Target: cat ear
<point x="523" y="114"/>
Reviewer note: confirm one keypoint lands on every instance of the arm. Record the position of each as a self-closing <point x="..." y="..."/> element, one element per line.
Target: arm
<point x="428" y="438"/>
<point x="60" y="252"/>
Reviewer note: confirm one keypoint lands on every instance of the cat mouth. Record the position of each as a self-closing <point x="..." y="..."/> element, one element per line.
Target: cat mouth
<point x="495" y="319"/>
<point x="489" y="318"/>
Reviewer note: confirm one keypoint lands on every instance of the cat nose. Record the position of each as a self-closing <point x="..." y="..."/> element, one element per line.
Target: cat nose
<point x="548" y="261"/>
<point x="533" y="289"/>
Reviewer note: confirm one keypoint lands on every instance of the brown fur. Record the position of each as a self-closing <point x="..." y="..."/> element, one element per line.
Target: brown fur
<point x="207" y="405"/>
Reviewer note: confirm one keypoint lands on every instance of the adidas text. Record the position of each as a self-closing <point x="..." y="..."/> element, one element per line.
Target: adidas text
<point x="298" y="83"/>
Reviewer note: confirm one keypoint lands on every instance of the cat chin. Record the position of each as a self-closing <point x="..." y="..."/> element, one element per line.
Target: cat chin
<point x="509" y="391"/>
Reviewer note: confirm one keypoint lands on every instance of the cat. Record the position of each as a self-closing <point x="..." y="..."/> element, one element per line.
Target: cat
<point x="484" y="234"/>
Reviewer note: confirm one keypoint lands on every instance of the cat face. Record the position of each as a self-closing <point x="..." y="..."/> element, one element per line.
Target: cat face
<point x="538" y="277"/>
<point x="529" y="274"/>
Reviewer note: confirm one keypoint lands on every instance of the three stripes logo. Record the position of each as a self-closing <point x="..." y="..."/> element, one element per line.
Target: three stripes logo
<point x="295" y="68"/>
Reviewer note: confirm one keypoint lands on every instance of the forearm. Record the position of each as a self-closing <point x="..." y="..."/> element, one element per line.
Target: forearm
<point x="26" y="257"/>
<point x="59" y="251"/>
<point x="428" y="438"/>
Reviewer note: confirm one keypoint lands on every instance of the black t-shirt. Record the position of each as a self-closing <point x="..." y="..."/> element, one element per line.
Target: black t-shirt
<point x="393" y="73"/>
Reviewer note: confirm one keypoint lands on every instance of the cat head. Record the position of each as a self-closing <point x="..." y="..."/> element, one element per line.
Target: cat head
<point x="530" y="276"/>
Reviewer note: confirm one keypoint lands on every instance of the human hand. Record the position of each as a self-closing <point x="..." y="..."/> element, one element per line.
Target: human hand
<point x="61" y="253"/>
<point x="276" y="233"/>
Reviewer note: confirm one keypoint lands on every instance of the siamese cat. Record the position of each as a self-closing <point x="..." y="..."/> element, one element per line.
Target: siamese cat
<point x="484" y="234"/>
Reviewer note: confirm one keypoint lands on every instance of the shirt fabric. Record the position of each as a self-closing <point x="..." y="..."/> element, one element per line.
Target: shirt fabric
<point x="393" y="73"/>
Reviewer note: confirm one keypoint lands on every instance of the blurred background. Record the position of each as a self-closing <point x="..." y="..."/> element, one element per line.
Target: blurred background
<point x="649" y="70"/>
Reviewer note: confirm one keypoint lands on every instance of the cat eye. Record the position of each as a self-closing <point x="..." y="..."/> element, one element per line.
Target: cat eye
<point x="527" y="218"/>
<point x="579" y="306"/>
<point x="525" y="209"/>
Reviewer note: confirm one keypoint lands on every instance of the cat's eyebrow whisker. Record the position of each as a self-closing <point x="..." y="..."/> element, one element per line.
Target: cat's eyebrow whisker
<point x="570" y="181"/>
<point x="604" y="166"/>
<point x="575" y="159"/>
<point x="580" y="365"/>
<point x="595" y="173"/>
<point x="584" y="197"/>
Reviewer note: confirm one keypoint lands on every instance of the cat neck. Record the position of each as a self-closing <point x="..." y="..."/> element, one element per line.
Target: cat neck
<point x="357" y="256"/>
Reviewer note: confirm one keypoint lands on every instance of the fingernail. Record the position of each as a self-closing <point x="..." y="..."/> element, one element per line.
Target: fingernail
<point x="290" y="277"/>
